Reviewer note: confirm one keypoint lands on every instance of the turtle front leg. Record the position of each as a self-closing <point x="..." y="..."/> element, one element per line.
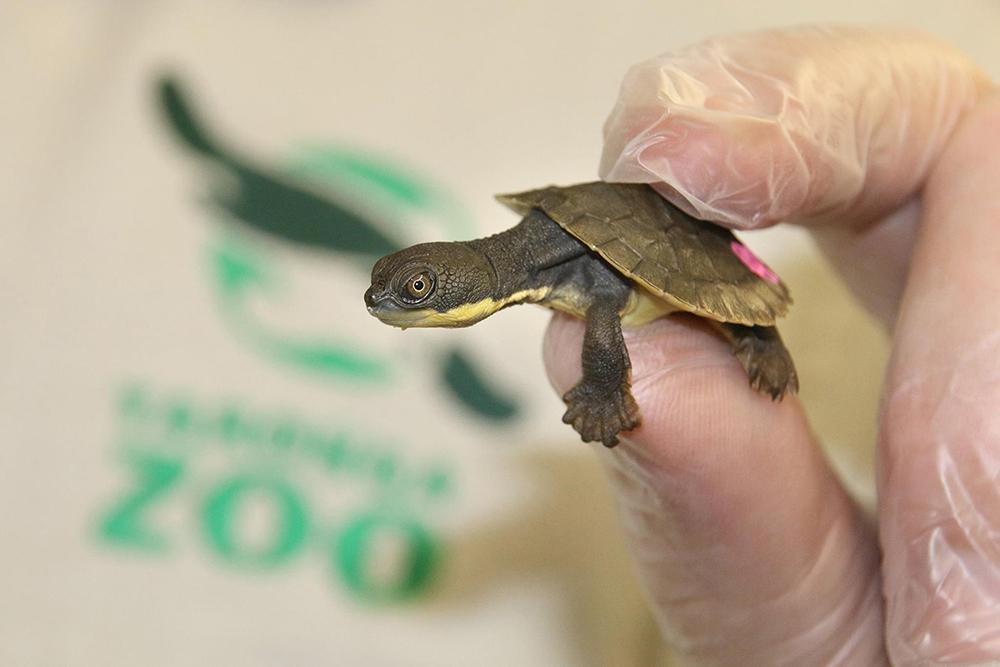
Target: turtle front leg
<point x="601" y="405"/>
<point x="765" y="359"/>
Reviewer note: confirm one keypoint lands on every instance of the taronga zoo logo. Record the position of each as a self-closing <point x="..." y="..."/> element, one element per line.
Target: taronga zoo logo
<point x="343" y="203"/>
<point x="362" y="502"/>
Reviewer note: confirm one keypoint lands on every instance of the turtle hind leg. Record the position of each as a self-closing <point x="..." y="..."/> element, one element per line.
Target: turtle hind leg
<point x="765" y="358"/>
<point x="601" y="405"/>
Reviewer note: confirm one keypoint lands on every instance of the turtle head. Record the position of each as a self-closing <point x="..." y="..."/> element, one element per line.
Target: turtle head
<point x="433" y="285"/>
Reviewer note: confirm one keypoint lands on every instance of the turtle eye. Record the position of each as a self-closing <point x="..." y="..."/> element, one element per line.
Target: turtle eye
<point x="419" y="287"/>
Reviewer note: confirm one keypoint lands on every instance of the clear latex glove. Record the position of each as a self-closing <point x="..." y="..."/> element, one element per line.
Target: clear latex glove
<point x="751" y="551"/>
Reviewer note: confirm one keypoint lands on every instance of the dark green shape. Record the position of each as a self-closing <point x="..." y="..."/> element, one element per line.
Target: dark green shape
<point x="266" y="200"/>
<point x="469" y="386"/>
<point x="401" y="187"/>
<point x="384" y="182"/>
<point x="353" y="554"/>
<point x="125" y="523"/>
<point x="223" y="503"/>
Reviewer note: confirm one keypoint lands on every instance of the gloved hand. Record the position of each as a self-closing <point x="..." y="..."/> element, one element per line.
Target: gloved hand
<point x="886" y="144"/>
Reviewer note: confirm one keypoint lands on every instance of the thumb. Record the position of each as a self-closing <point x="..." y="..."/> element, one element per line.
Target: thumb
<point x="811" y="124"/>
<point x="751" y="551"/>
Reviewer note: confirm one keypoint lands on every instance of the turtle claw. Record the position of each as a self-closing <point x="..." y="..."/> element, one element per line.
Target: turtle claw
<point x="768" y="365"/>
<point x="599" y="415"/>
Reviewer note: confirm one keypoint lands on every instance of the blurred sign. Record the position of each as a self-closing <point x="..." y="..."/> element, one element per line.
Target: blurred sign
<point x="254" y="487"/>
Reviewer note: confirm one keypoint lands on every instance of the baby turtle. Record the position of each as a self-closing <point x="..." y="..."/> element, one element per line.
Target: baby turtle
<point x="610" y="254"/>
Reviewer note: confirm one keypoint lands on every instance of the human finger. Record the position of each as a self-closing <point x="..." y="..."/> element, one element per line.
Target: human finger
<point x="940" y="442"/>
<point x="750" y="550"/>
<point x="815" y="123"/>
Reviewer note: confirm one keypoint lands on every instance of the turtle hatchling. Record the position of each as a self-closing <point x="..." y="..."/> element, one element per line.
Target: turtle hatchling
<point x="611" y="254"/>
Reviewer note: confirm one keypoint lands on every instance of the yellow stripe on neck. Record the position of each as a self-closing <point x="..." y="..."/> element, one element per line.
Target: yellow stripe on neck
<point x="463" y="315"/>
<point x="469" y="313"/>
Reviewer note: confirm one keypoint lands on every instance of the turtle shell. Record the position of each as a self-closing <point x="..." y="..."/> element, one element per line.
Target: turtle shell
<point x="700" y="267"/>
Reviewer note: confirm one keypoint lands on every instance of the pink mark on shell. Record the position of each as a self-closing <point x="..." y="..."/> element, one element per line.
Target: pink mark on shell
<point x="751" y="261"/>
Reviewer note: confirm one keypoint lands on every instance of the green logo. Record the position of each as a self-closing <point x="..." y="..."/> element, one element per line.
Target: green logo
<point x="197" y="473"/>
<point x="351" y="207"/>
<point x="260" y="491"/>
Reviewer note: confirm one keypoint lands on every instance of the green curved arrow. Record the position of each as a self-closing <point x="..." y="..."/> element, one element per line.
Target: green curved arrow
<point x="239" y="275"/>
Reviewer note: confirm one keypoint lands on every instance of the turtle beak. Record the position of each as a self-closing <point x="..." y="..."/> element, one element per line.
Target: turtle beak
<point x="381" y="305"/>
<point x="372" y="298"/>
